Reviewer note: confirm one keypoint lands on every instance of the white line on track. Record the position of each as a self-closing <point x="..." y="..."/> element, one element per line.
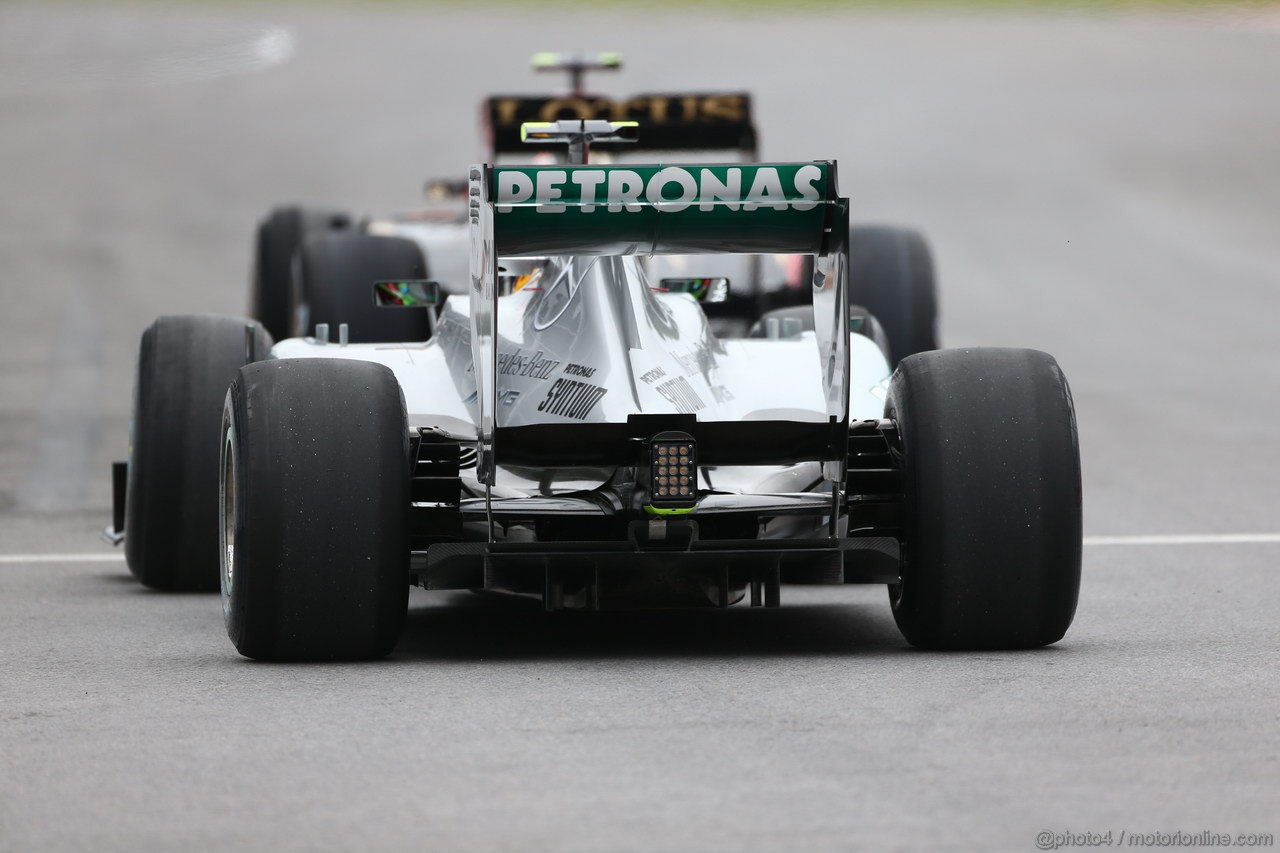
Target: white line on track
<point x="1154" y="539"/>
<point x="269" y="47"/>
<point x="1187" y="539"/>
<point x="129" y="61"/>
<point x="61" y="558"/>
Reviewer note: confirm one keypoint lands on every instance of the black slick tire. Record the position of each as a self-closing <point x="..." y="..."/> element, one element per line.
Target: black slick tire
<point x="336" y="273"/>
<point x="991" y="552"/>
<point x="279" y="237"/>
<point x="891" y="273"/>
<point x="315" y="502"/>
<point x="185" y="364"/>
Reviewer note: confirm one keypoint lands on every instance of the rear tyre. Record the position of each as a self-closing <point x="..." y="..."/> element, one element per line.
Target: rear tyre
<point x="184" y="367"/>
<point x="891" y="273"/>
<point x="336" y="273"/>
<point x="991" y="554"/>
<point x="279" y="237"/>
<point x="315" y="501"/>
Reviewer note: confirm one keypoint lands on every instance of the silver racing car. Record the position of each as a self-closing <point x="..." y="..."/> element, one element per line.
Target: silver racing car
<point x="571" y="429"/>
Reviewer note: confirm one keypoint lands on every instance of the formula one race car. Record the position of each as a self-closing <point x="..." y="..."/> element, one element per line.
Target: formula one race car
<point x="302" y="254"/>
<point x="574" y="432"/>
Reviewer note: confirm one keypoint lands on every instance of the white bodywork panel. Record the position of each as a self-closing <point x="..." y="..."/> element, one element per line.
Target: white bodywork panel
<point x="574" y="333"/>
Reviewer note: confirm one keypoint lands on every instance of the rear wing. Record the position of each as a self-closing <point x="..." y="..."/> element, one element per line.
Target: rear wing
<point x="717" y="121"/>
<point x="643" y="210"/>
<point x="753" y="208"/>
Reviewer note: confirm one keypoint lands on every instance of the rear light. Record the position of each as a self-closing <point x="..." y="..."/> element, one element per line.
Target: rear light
<point x="673" y="471"/>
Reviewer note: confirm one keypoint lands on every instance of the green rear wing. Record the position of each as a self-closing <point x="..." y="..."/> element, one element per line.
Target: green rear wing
<point x="654" y="210"/>
<point x="592" y="210"/>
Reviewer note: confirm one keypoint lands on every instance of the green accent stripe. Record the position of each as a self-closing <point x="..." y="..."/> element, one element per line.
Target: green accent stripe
<point x="685" y="510"/>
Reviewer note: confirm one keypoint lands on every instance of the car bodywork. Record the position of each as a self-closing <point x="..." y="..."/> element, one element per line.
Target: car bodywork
<point x="534" y="414"/>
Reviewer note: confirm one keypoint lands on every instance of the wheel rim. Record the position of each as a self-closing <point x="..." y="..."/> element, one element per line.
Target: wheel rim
<point x="227" y="530"/>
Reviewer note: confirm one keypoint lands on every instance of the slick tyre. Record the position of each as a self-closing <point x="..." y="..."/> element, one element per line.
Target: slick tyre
<point x="336" y="273"/>
<point x="315" y="500"/>
<point x="184" y="367"/>
<point x="891" y="273"/>
<point x="991" y="552"/>
<point x="279" y="237"/>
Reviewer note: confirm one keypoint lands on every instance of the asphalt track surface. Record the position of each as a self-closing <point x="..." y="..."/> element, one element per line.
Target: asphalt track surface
<point x="1106" y="188"/>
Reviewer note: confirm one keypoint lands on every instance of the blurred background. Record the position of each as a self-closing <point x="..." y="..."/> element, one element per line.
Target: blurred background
<point x="1099" y="180"/>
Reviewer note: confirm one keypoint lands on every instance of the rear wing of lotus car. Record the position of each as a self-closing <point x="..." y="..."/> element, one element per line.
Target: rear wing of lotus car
<point x="684" y="121"/>
<point x="595" y="210"/>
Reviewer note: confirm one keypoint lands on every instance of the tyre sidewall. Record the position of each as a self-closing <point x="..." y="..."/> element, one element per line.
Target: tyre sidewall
<point x="233" y="605"/>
